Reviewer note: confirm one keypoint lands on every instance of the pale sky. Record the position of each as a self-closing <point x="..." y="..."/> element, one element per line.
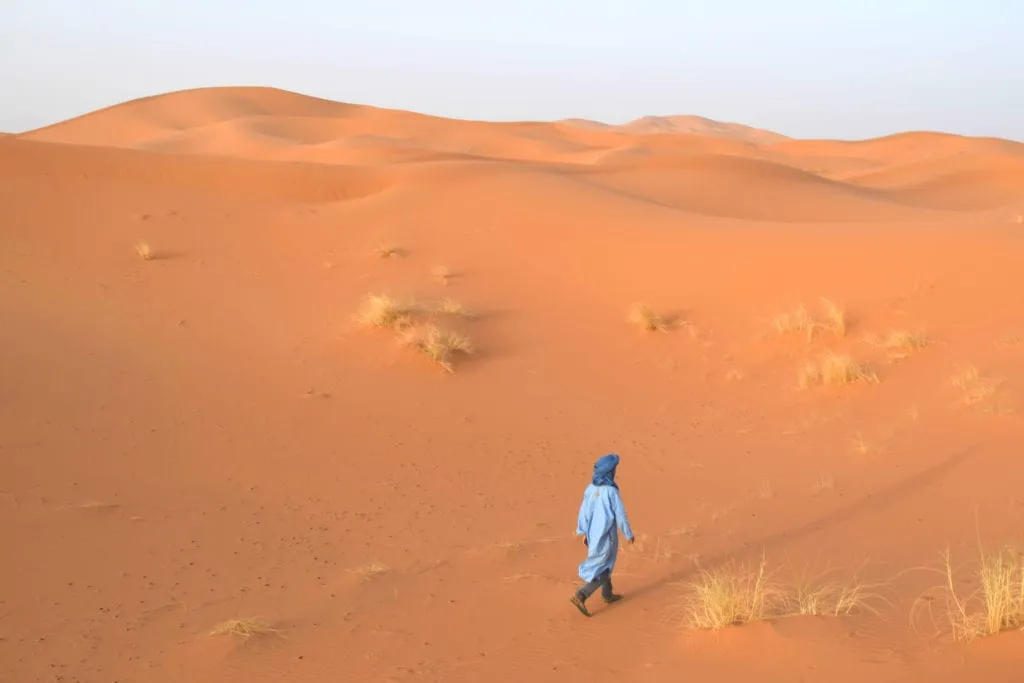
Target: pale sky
<point x="807" y="68"/>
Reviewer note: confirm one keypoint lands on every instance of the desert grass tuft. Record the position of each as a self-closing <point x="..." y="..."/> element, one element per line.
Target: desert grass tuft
<point x="144" y="251"/>
<point x="644" y="317"/>
<point x="370" y="571"/>
<point x="243" y="628"/>
<point x="453" y="308"/>
<point x="438" y="344"/>
<point x="441" y="274"/>
<point x="835" y="369"/>
<point x="801" y="320"/>
<point x="975" y="387"/>
<point x="385" y="250"/>
<point x="901" y="343"/>
<point x="819" y="596"/>
<point x="835" y="318"/>
<point x="381" y="310"/>
<point x="797" y="320"/>
<point x="997" y="602"/>
<point x="731" y="595"/>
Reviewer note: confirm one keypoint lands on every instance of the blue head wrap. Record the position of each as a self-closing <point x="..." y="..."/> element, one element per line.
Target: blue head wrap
<point x="604" y="470"/>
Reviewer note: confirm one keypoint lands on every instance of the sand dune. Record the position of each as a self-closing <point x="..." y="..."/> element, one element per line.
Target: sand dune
<point x="198" y="430"/>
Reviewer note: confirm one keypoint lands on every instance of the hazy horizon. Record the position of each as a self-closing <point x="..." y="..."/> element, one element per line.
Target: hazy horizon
<point x="792" y="67"/>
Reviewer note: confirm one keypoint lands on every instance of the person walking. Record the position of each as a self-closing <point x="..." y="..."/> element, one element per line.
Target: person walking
<point x="602" y="515"/>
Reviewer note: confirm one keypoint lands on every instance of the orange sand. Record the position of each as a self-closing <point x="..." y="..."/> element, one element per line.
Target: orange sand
<point x="209" y="435"/>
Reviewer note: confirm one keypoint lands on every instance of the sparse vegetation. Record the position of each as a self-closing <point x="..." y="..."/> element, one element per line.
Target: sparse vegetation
<point x="901" y="343"/>
<point x="243" y="628"/>
<point x="733" y="595"/>
<point x="797" y="320"/>
<point x="370" y="571"/>
<point x="385" y="250"/>
<point x="835" y="369"/>
<point x="975" y="387"/>
<point x="438" y="344"/>
<point x="381" y="310"/>
<point x="824" y="482"/>
<point x="821" y="597"/>
<point x="453" y="308"/>
<point x="997" y="602"/>
<point x="644" y="317"/>
<point x="835" y="318"/>
<point x="144" y="251"/>
<point x="441" y="274"/>
<point x="801" y="320"/>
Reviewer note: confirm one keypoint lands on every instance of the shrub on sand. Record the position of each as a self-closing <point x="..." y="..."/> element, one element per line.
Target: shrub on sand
<point x="441" y="274"/>
<point x="453" y="308"/>
<point x="834" y="369"/>
<point x="797" y="320"/>
<point x="387" y="250"/>
<point x="646" y="318"/>
<point x="144" y="251"/>
<point x="730" y="596"/>
<point x="381" y="310"/>
<point x="734" y="595"/>
<point x="437" y="344"/>
<point x="243" y="628"/>
<point x="997" y="602"/>
<point x="835" y="318"/>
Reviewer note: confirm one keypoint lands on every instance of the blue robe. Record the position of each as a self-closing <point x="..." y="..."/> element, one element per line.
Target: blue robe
<point x="601" y="512"/>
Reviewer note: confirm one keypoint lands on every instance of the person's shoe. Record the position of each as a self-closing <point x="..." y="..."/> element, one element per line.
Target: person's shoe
<point x="611" y="598"/>
<point x="575" y="599"/>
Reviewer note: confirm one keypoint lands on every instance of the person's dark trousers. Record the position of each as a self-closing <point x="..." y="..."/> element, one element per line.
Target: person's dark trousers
<point x="602" y="581"/>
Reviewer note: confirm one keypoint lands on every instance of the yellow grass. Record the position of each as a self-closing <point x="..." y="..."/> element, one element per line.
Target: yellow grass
<point x="900" y="343"/>
<point x="441" y="274"/>
<point x="646" y="318"/>
<point x="797" y="320"/>
<point x="834" y="369"/>
<point x="821" y="597"/>
<point x="243" y="628"/>
<point x="997" y="602"/>
<point x="835" y="318"/>
<point x="387" y="250"/>
<point x="369" y="571"/>
<point x="144" y="251"/>
<point x="381" y="310"/>
<point x="734" y="595"/>
<point x="453" y="308"/>
<point x="975" y="387"/>
<point x="438" y="344"/>
<point x="731" y="596"/>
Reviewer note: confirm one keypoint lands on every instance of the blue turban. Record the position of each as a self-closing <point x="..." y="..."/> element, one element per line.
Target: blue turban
<point x="604" y="470"/>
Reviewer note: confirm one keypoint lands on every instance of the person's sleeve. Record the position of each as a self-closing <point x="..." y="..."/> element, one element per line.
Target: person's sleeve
<point x="583" y="519"/>
<point x="620" y="515"/>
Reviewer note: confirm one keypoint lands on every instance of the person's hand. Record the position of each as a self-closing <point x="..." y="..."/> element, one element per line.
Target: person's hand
<point x="632" y="540"/>
<point x="586" y="542"/>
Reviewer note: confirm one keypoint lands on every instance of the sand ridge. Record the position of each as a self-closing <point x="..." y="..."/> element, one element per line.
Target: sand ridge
<point x="208" y="434"/>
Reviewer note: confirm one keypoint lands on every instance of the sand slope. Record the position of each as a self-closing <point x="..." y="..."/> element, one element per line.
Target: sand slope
<point x="209" y="435"/>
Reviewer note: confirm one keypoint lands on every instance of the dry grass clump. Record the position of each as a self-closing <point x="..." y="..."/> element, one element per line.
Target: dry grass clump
<point x="819" y="596"/>
<point x="439" y="345"/>
<point x="734" y="595"/>
<point x="997" y="602"/>
<point x="801" y="320"/>
<point x="441" y="274"/>
<point x="144" y="251"/>
<point x="243" y="628"/>
<point x="387" y="250"/>
<point x="835" y="369"/>
<point x="381" y="310"/>
<point x="835" y="318"/>
<point x="975" y="387"/>
<point x="644" y="317"/>
<point x="731" y="596"/>
<point x="901" y="343"/>
<point x="453" y="308"/>
<point x="797" y="320"/>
